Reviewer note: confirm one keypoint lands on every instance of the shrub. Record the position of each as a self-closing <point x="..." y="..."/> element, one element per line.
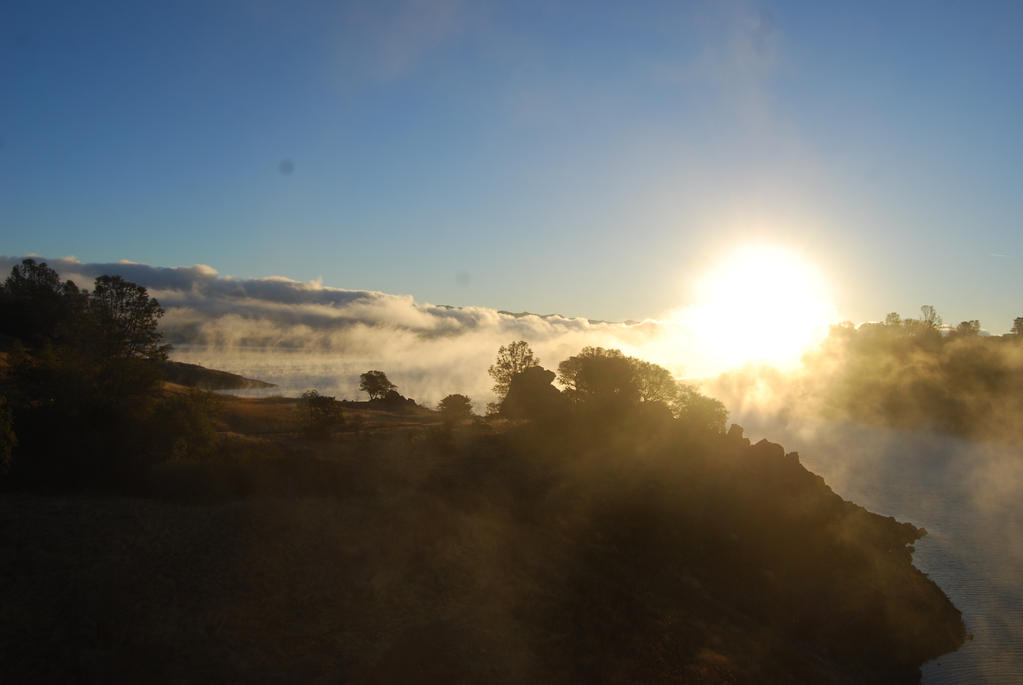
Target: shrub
<point x="455" y="408"/>
<point x="320" y="414"/>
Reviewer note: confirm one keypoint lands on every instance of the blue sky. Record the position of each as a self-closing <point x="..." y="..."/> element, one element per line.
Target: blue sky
<point x="583" y="158"/>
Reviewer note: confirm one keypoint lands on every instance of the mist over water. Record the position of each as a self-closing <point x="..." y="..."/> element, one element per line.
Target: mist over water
<point x="969" y="497"/>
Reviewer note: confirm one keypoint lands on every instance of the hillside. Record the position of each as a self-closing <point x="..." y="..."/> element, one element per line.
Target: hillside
<point x="402" y="549"/>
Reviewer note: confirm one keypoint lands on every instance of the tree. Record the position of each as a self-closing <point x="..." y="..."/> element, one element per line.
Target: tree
<point x="654" y="383"/>
<point x="698" y="410"/>
<point x="930" y="318"/>
<point x="893" y="319"/>
<point x="1017" y="326"/>
<point x="30" y="279"/>
<point x="128" y="318"/>
<point x="35" y="306"/>
<point x="375" y="383"/>
<point x="968" y="328"/>
<point x="598" y="373"/>
<point x="512" y="359"/>
<point x="86" y="377"/>
<point x="455" y="408"/>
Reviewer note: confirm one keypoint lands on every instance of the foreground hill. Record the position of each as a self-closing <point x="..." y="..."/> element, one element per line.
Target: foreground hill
<point x="401" y="549"/>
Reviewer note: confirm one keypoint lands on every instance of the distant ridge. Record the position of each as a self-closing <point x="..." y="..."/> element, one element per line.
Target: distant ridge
<point x="196" y="376"/>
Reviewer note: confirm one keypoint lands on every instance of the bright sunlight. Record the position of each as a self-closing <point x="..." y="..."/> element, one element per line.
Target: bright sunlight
<point x="761" y="303"/>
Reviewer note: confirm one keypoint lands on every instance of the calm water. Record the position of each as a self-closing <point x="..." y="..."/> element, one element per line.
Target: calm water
<point x="969" y="497"/>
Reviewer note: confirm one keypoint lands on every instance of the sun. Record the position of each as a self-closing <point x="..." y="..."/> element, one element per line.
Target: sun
<point x="761" y="303"/>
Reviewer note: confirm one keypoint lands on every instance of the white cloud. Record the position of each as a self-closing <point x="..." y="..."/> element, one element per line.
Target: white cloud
<point x="304" y="335"/>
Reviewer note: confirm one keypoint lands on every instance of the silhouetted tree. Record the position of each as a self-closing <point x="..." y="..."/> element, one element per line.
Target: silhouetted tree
<point x="893" y="319"/>
<point x="36" y="307"/>
<point x="1017" y="326"/>
<point x="654" y="383"/>
<point x="455" y="407"/>
<point x="968" y="328"/>
<point x="128" y="318"/>
<point x="512" y="359"/>
<point x="599" y="373"/>
<point x="375" y="383"/>
<point x="700" y="411"/>
<point x="930" y="318"/>
<point x="86" y="372"/>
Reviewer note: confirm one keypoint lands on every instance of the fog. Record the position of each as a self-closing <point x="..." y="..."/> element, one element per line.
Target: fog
<point x="302" y="336"/>
<point x="967" y="493"/>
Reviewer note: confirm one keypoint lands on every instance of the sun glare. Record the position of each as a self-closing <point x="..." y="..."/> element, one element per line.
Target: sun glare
<point x="760" y="304"/>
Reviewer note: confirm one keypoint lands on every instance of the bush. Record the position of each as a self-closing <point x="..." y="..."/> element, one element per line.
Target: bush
<point x="455" y="407"/>
<point x="320" y="414"/>
<point x="184" y="426"/>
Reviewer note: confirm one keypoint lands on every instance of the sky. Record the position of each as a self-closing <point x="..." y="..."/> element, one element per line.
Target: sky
<point x="583" y="158"/>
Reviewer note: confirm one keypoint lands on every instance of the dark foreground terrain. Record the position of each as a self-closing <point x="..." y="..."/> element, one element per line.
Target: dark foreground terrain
<point x="403" y="549"/>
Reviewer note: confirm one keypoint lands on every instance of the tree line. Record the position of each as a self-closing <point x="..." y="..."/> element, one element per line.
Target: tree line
<point x="921" y="374"/>
<point x="80" y="402"/>
<point x="83" y="399"/>
<point x="596" y="379"/>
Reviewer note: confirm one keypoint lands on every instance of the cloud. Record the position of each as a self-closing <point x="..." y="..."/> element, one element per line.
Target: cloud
<point x="305" y="334"/>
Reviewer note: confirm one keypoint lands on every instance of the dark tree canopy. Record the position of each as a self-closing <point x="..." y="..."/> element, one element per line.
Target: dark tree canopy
<point x="598" y="373"/>
<point x="700" y="411"/>
<point x="87" y="372"/>
<point x="1017" y="326"/>
<point x="654" y="383"/>
<point x="35" y="306"/>
<point x="129" y="317"/>
<point x="611" y="379"/>
<point x="601" y="373"/>
<point x="117" y="319"/>
<point x="375" y="384"/>
<point x="512" y="359"/>
<point x="968" y="328"/>
<point x="455" y="407"/>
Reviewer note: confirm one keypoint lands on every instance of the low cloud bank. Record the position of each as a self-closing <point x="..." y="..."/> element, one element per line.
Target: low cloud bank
<point x="308" y="335"/>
